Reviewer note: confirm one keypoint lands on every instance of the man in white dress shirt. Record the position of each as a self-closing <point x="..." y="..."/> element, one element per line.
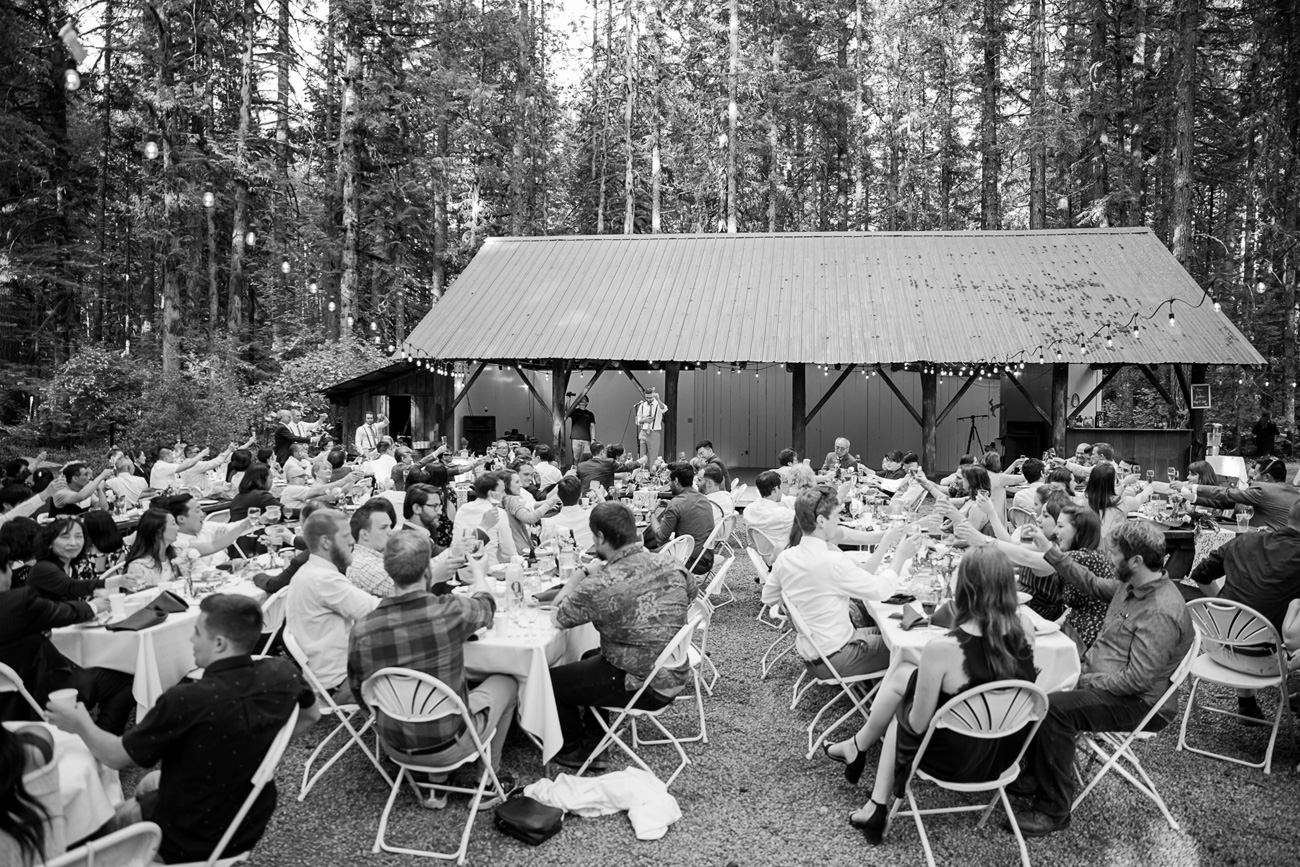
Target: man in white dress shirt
<point x="196" y="477"/>
<point x="369" y="434"/>
<point x="126" y="484"/>
<point x="381" y="467"/>
<point x="322" y="604"/>
<point x="302" y="428"/>
<point x="297" y="470"/>
<point x="483" y="517"/>
<point x="711" y="481"/>
<point x="821" y="581"/>
<point x="165" y="473"/>
<point x="548" y="474"/>
<point x="571" y="518"/>
<point x="1026" y="498"/>
<point x="768" y="515"/>
<point x="650" y="425"/>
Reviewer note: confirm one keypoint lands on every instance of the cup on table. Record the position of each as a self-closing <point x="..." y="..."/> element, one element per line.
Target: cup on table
<point x="117" y="605"/>
<point x="1244" y="514"/>
<point x="64" y="698"/>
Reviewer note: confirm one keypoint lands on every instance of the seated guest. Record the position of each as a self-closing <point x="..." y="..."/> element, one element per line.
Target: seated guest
<point x="1261" y="570"/>
<point x="195" y="477"/>
<point x="79" y="491"/>
<point x="688" y="513"/>
<point x="768" y="515"/>
<point x="596" y="468"/>
<point x="412" y="628"/>
<point x="427" y="510"/>
<point x="293" y="496"/>
<point x="125" y="484"/>
<point x="711" y="486"/>
<point x="1145" y="635"/>
<point x="104" y="546"/>
<point x="572" y="518"/>
<point x="370" y="526"/>
<point x="988" y="642"/>
<point x="976" y="488"/>
<point x="26" y="818"/>
<point x="1027" y="497"/>
<point x="1063" y="477"/>
<point x="911" y="493"/>
<point x="380" y="468"/>
<point x="168" y="465"/>
<point x="1268" y="494"/>
<point x="786" y="459"/>
<point x="26" y="618"/>
<point x="240" y="461"/>
<point x="18" y="501"/>
<point x="150" y="560"/>
<point x="272" y="584"/>
<point x="638" y="602"/>
<point x="704" y="455"/>
<point x="839" y="459"/>
<point x="522" y="511"/>
<point x="60" y="547"/>
<point x="195" y="532"/>
<point x="953" y="478"/>
<point x="801" y="478"/>
<point x="42" y="479"/>
<point x="322" y="605"/>
<point x="892" y="465"/>
<point x="337" y="459"/>
<point x="297" y="469"/>
<point x="548" y="474"/>
<point x="208" y="735"/>
<point x="254" y="492"/>
<point x="482" y="517"/>
<point x="528" y="481"/>
<point x="22" y="536"/>
<point x="821" y="581"/>
<point x="1101" y="493"/>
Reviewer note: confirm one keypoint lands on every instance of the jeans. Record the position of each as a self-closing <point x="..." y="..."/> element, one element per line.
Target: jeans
<point x="1050" y="759"/>
<point x="595" y="683"/>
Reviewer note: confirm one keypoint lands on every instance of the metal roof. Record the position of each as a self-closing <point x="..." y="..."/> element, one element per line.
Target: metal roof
<point x="366" y="381"/>
<point x="829" y="298"/>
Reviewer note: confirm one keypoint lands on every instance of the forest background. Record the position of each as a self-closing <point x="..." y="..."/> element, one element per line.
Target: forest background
<point x="230" y="203"/>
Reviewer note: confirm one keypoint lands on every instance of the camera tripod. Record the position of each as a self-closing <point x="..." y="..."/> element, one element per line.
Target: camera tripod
<point x="974" y="435"/>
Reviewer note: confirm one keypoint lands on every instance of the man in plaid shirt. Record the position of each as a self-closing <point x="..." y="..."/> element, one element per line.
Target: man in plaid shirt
<point x="414" y="629"/>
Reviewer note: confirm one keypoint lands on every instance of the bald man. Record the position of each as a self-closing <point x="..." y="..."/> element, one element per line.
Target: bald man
<point x="840" y="459"/>
<point x="322" y="604"/>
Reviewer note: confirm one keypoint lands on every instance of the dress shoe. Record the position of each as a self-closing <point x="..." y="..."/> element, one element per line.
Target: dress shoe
<point x="574" y="759"/>
<point x="872" y="827"/>
<point x="1249" y="709"/>
<point x="854" y="767"/>
<point x="1035" y="824"/>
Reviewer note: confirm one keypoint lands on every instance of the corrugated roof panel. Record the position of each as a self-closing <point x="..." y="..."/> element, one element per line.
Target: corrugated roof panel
<point x="829" y="298"/>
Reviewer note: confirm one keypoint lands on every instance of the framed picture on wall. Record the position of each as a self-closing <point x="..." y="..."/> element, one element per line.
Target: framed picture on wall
<point x="1201" y="395"/>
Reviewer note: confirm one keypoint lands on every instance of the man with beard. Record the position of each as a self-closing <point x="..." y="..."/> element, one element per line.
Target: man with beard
<point x="322" y="603"/>
<point x="1146" y="633"/>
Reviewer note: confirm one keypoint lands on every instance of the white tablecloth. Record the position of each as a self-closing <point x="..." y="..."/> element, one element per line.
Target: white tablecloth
<point x="158" y="657"/>
<point x="526" y="655"/>
<point x="89" y="790"/>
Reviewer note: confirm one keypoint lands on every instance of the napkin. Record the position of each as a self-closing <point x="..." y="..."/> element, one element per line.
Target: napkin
<point x="152" y="614"/>
<point x="913" y="615"/>
<point x="943" y="616"/>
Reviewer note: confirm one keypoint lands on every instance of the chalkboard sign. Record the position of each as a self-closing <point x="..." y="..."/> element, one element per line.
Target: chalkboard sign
<point x="1200" y="395"/>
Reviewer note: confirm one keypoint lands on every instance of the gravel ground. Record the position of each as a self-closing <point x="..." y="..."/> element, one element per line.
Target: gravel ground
<point x="751" y="798"/>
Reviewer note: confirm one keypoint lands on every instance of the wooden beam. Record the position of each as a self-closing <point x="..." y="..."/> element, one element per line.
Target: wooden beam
<point x="559" y="385"/>
<point x="929" y="421"/>
<point x="465" y="389"/>
<point x="1182" y="384"/>
<point x="1020" y="388"/>
<point x="627" y="371"/>
<point x="827" y="396"/>
<point x="1155" y="381"/>
<point x="532" y="390"/>
<point x="907" y="405"/>
<point x="798" y="418"/>
<point x="1060" y="398"/>
<point x="595" y="376"/>
<point x="1105" y="380"/>
<point x="671" y="370"/>
<point x="1196" y="417"/>
<point x="956" y="398"/>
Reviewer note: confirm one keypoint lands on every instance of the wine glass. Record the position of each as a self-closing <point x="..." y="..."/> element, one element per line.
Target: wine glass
<point x="254" y="514"/>
<point x="1151" y="476"/>
<point x="272" y="515"/>
<point x="1172" y="473"/>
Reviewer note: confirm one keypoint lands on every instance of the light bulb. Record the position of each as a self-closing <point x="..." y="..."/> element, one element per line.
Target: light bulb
<point x="250" y="239"/>
<point x="312" y="287"/>
<point x="151" y="150"/>
<point x="1217" y="308"/>
<point x="1172" y="321"/>
<point x="391" y="347"/>
<point x="350" y="321"/>
<point x="1058" y="355"/>
<point x="331" y="306"/>
<point x="1137" y="332"/>
<point x="71" y="80"/>
<point x="209" y="199"/>
<point x="756" y="374"/>
<point x="374" y="326"/>
<point x="1040" y="358"/>
<point x="1260" y="287"/>
<point x="1110" y="344"/>
<point x="284" y="266"/>
<point x="1083" y="350"/>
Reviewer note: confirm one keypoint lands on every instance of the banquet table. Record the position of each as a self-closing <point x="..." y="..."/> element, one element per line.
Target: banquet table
<point x="158" y="657"/>
<point x="89" y="790"/>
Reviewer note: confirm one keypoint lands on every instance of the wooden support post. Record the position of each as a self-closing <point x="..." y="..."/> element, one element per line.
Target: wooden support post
<point x="559" y="385"/>
<point x="1196" y="417"/>
<point x="533" y="390"/>
<point x="1060" y="396"/>
<point x="798" y="417"/>
<point x="929" y="421"/>
<point x="835" y="386"/>
<point x="671" y="369"/>
<point x="1105" y="380"/>
<point x="627" y="371"/>
<point x="956" y="398"/>
<point x="572" y="405"/>
<point x="465" y="389"/>
<point x="1155" y="381"/>
<point x="902" y="398"/>
<point x="1029" y="397"/>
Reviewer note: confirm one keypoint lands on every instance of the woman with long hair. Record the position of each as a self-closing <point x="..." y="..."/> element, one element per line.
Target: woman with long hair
<point x="20" y="536"/>
<point x="24" y="820"/>
<point x="254" y="492"/>
<point x="104" y="545"/>
<point x="522" y="510"/>
<point x="1102" y="496"/>
<point x="60" y="547"/>
<point x="989" y="641"/>
<point x="149" y="562"/>
<point x="240" y="461"/>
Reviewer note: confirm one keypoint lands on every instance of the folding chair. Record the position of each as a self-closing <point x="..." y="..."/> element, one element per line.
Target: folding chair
<point x="272" y="619"/>
<point x="766" y="548"/>
<point x="679" y="547"/>
<point x="11" y="682"/>
<point x="219" y="517"/>
<point x="1018" y="517"/>
<point x="846" y="684"/>
<point x="344" y="713"/>
<point x="133" y="846"/>
<point x="704" y="604"/>
<point x="778" y="620"/>
<point x="721" y="530"/>
<point x="993" y="711"/>
<point x="1110" y="747"/>
<point x="672" y="656"/>
<point x="727" y="532"/>
<point x="1229" y="627"/>
<point x="413" y="697"/>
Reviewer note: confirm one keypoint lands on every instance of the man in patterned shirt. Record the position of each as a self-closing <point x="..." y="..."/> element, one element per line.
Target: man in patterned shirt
<point x="412" y="628"/>
<point x="370" y="526"/>
<point x="637" y="601"/>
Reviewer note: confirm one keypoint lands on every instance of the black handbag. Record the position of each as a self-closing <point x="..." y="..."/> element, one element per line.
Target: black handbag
<point x="529" y="820"/>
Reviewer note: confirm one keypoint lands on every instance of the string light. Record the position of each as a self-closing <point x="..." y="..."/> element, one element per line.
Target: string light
<point x="209" y="199"/>
<point x="1172" y="321"/>
<point x="350" y="321"/>
<point x="1217" y="308"/>
<point x="72" y="80"/>
<point x="1058" y="355"/>
<point x="151" y="150"/>
<point x="312" y="287"/>
<point x="374" y="326"/>
<point x="1137" y="332"/>
<point x="250" y="239"/>
<point x="284" y="266"/>
<point x="331" y="306"/>
<point x="1110" y="344"/>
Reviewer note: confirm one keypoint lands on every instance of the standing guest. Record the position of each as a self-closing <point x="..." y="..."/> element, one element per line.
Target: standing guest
<point x="208" y="735"/>
<point x="370" y="526"/>
<point x="523" y="511"/>
<point x="1265" y="433"/>
<point x="638" y="602"/>
<point x="1268" y="494"/>
<point x="126" y="484"/>
<point x="167" y="466"/>
<point x="368" y="435"/>
<point x="768" y="515"/>
<point x="548" y="474"/>
<point x="303" y="428"/>
<point x="596" y="467"/>
<point x="26" y="618"/>
<point x="571" y="518"/>
<point x="413" y="628"/>
<point x="704" y="455"/>
<point x="711" y="486"/>
<point x="61" y="546"/>
<point x="482" y="518"/>
<point x="322" y="605"/>
<point x="284" y="436"/>
<point x="839" y="459"/>
<point x="1144" y="637"/>
<point x="582" y="428"/>
<point x="650" y="424"/>
<point x="79" y="491"/>
<point x="149" y="562"/>
<point x="689" y="513"/>
<point x="22" y="537"/>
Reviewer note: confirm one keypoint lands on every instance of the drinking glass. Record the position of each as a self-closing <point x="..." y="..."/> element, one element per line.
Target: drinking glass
<point x="254" y="513"/>
<point x="272" y="515"/>
<point x="1244" y="514"/>
<point x="518" y="601"/>
<point x="1172" y="473"/>
<point x="1151" y="475"/>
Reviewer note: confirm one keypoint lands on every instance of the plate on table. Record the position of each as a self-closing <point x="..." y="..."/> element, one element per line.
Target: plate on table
<point x="1023" y="598"/>
<point x="1045" y="627"/>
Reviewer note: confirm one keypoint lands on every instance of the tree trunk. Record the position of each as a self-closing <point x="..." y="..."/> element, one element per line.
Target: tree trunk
<point x="857" y="132"/>
<point x="520" y="132"/>
<point x="105" y="145"/>
<point x="990" y="93"/>
<point x="238" y="281"/>
<point x="733" y="108"/>
<point x="349" y="167"/>
<point x="1184" y="136"/>
<point x="656" y="120"/>
<point x="1135" y="208"/>
<point x="1097" y="110"/>
<point x="773" y="137"/>
<point x="629" y="105"/>
<point x="1038" y="115"/>
<point x="282" y="300"/>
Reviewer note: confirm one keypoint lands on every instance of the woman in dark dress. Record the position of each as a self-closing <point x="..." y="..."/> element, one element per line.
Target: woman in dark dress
<point x="61" y="546"/>
<point x="988" y="642"/>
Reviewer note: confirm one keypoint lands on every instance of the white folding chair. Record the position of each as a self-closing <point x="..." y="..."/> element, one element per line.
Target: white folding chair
<point x="1018" y="517"/>
<point x="11" y="682"/>
<point x="704" y="604"/>
<point x="990" y="712"/>
<point x="721" y="531"/>
<point x="679" y="547"/>
<point x="846" y="685"/>
<point x="1110" y="747"/>
<point x="778" y="620"/>
<point x="272" y="619"/>
<point x="413" y="697"/>
<point x="674" y="655"/>
<point x="264" y="774"/>
<point x="727" y="532"/>
<point x="344" y="713"/>
<point x="133" y="846"/>
<point x="219" y="517"/>
<point x="766" y="548"/>
<point x="1229" y="627"/>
